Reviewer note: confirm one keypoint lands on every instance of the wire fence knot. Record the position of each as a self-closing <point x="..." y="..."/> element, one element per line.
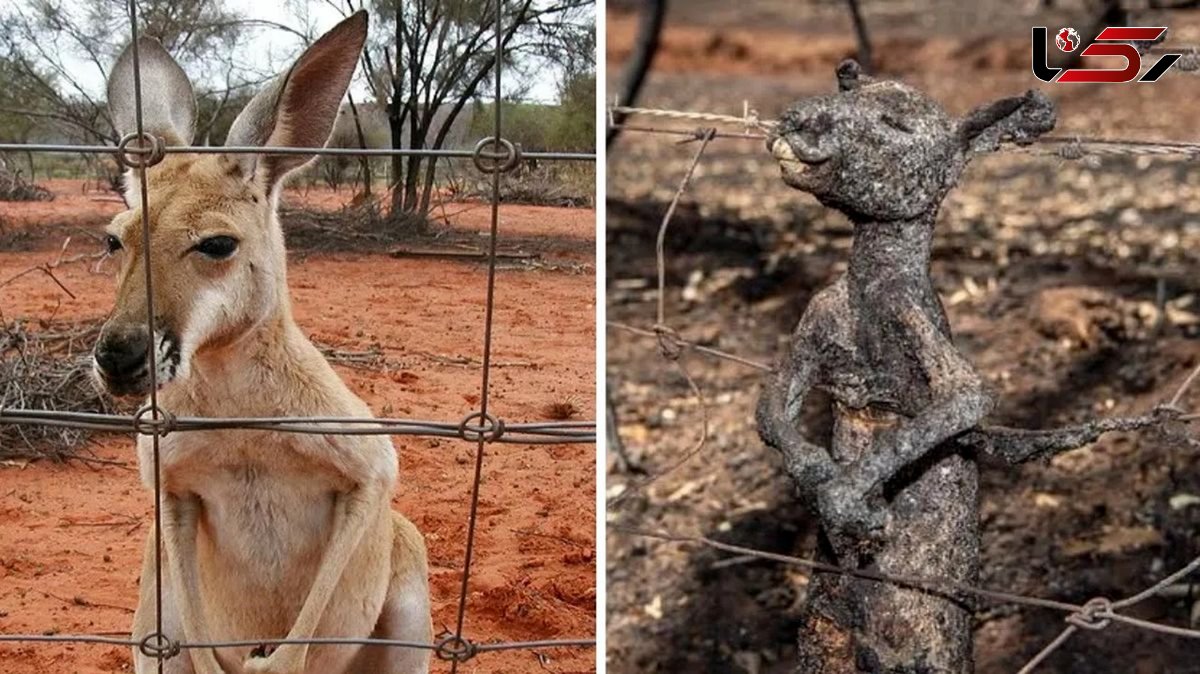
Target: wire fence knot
<point x="501" y="160"/>
<point x="159" y="646"/>
<point x="670" y="344"/>
<point x="702" y="134"/>
<point x="455" y="649"/>
<point x="153" y="420"/>
<point x="490" y="429"/>
<point x="1093" y="615"/>
<point x="148" y="151"/>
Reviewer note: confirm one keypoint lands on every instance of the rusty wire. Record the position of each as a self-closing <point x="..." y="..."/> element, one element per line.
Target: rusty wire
<point x="496" y="139"/>
<point x="755" y="128"/>
<point x="669" y="342"/>
<point x="495" y="155"/>
<point x="1094" y="615"/>
<point x="143" y="193"/>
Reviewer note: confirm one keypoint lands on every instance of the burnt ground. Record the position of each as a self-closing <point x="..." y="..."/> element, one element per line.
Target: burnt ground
<point x="1072" y="285"/>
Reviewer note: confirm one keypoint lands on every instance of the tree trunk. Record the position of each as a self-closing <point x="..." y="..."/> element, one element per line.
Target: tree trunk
<point x="410" y="184"/>
<point x="854" y="625"/>
<point x="364" y="161"/>
<point x="396" y="124"/>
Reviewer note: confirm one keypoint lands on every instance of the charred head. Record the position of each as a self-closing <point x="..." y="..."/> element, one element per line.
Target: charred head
<point x="880" y="150"/>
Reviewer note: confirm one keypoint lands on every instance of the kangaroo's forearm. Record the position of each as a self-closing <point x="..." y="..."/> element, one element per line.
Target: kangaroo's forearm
<point x="181" y="514"/>
<point x="352" y="513"/>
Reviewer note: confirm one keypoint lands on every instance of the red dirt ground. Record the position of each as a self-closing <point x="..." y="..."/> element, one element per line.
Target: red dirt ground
<point x="70" y="536"/>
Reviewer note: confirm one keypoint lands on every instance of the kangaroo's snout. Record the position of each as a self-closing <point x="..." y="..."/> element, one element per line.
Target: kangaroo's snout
<point x="122" y="359"/>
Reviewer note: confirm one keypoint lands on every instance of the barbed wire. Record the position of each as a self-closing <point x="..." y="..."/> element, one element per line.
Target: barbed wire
<point x="494" y="155"/>
<point x="1097" y="613"/>
<point x="756" y="128"/>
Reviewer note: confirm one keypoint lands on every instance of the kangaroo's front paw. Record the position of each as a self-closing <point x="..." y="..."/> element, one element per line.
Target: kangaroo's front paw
<point x="848" y="512"/>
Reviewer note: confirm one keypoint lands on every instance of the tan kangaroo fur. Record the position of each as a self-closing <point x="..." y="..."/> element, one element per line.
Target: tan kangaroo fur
<point x="266" y="535"/>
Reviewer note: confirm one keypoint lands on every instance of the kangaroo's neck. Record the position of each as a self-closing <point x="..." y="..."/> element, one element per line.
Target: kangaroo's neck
<point x="270" y="368"/>
<point x="888" y="256"/>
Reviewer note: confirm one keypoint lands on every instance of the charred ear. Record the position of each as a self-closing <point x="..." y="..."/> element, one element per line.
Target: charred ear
<point x="1017" y="119"/>
<point x="850" y="75"/>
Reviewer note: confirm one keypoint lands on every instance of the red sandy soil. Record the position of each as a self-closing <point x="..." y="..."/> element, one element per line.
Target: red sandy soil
<point x="71" y="536"/>
<point x="472" y="215"/>
<point x="80" y="202"/>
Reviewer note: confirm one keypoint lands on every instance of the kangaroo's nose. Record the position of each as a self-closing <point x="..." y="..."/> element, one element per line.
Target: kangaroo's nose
<point x="122" y="353"/>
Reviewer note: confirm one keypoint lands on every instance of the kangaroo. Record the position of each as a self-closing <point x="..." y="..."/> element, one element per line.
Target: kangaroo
<point x="894" y="490"/>
<point x="266" y="535"/>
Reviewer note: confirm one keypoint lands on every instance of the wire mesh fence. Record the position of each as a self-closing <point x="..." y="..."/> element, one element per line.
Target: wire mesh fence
<point x="492" y="157"/>
<point x="1096" y="614"/>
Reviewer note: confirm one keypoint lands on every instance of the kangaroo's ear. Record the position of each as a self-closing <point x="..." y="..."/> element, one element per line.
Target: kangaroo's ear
<point x="299" y="108"/>
<point x="1019" y="119"/>
<point x="168" y="103"/>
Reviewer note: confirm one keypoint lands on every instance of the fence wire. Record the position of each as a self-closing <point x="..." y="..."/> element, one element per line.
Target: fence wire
<point x="494" y="155"/>
<point x="753" y="127"/>
<point x="1094" y="615"/>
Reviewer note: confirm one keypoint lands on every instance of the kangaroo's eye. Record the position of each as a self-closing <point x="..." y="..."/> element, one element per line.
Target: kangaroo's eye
<point x="112" y="243"/>
<point x="217" y="247"/>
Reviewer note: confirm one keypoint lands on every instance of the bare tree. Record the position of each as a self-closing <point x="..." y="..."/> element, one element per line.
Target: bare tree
<point x="53" y="49"/>
<point x="428" y="59"/>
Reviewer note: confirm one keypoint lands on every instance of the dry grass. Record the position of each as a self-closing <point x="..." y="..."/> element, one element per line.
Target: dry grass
<point x="562" y="410"/>
<point x="15" y="188"/>
<point x="48" y="368"/>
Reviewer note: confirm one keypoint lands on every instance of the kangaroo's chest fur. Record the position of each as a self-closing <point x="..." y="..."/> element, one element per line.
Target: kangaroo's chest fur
<point x="266" y="506"/>
<point x="267" y="499"/>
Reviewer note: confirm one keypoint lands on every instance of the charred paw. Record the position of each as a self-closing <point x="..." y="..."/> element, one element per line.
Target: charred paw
<point x="849" y="512"/>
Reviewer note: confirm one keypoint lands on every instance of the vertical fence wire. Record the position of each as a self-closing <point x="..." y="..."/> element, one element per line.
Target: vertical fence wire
<point x="487" y="338"/>
<point x="152" y="356"/>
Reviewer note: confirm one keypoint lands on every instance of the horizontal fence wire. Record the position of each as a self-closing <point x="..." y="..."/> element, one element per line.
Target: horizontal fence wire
<point x="1094" y="615"/>
<point x="112" y="640"/>
<point x="307" y="151"/>
<point x="151" y="420"/>
<point x="549" y="432"/>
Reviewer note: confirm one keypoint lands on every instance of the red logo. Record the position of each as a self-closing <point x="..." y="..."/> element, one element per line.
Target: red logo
<point x="1067" y="39"/>
<point x="1112" y="41"/>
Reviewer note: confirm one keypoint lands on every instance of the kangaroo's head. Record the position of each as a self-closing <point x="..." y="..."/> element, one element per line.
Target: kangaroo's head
<point x="218" y="260"/>
<point x="879" y="150"/>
